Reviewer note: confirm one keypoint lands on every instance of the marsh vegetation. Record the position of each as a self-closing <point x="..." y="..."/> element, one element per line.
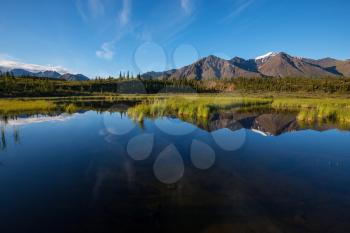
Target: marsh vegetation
<point x="189" y="107"/>
<point x="309" y="111"/>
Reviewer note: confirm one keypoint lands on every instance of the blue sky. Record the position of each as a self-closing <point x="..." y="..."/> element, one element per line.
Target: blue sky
<point x="103" y="37"/>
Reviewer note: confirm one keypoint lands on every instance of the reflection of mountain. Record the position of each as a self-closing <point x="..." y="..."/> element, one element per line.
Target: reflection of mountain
<point x="265" y="123"/>
<point x="21" y="120"/>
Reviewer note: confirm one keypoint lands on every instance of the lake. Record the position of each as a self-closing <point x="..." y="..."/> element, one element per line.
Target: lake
<point x="102" y="171"/>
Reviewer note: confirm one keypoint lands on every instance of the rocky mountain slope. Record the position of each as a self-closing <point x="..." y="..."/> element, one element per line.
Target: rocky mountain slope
<point x="269" y="65"/>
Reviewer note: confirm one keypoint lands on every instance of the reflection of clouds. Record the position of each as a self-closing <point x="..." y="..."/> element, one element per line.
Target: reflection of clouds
<point x="37" y="119"/>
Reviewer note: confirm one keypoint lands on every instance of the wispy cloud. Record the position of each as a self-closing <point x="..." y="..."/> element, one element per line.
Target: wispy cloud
<point x="88" y="9"/>
<point x="106" y="51"/>
<point x="13" y="64"/>
<point x="124" y="15"/>
<point x="107" y="48"/>
<point x="81" y="11"/>
<point x="172" y="23"/>
<point x="238" y="9"/>
<point x="96" y="7"/>
<point x="186" y="6"/>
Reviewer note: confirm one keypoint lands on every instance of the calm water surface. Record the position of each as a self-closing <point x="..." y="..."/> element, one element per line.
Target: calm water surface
<point x="101" y="172"/>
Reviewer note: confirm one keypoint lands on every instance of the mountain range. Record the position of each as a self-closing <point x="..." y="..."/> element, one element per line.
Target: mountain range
<point x="18" y="72"/>
<point x="270" y="65"/>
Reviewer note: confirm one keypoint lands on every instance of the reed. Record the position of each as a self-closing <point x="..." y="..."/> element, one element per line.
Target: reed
<point x="70" y="108"/>
<point x="198" y="107"/>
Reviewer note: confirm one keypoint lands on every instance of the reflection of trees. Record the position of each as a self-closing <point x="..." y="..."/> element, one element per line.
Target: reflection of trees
<point x="16" y="137"/>
<point x="3" y="139"/>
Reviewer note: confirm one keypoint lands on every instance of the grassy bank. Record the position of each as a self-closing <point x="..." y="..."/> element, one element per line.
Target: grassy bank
<point x="13" y="105"/>
<point x="309" y="110"/>
<point x="190" y="106"/>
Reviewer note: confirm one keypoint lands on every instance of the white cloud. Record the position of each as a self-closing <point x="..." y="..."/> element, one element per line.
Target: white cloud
<point x="107" y="48"/>
<point x="124" y="15"/>
<point x="106" y="51"/>
<point x="96" y="7"/>
<point x="186" y="5"/>
<point x="90" y="8"/>
<point x="239" y="8"/>
<point x="11" y="64"/>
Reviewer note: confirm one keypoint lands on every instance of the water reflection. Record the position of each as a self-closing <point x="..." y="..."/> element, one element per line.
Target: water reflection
<point x="226" y="126"/>
<point x="4" y="140"/>
<point x="249" y="171"/>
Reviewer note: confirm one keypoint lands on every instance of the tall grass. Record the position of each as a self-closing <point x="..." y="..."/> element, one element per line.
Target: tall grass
<point x="317" y="110"/>
<point x="189" y="106"/>
<point x="197" y="108"/>
<point x="70" y="108"/>
<point x="8" y="106"/>
<point x="16" y="106"/>
<point x="309" y="111"/>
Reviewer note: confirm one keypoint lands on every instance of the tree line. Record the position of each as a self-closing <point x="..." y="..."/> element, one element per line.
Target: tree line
<point x="11" y="86"/>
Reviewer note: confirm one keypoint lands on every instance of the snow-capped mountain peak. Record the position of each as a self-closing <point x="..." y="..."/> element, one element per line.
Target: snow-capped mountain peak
<point x="263" y="57"/>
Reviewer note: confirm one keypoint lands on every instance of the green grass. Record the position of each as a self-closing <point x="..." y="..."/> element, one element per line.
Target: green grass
<point x="70" y="108"/>
<point x="317" y="110"/>
<point x="190" y="106"/>
<point x="309" y="110"/>
<point x="297" y="103"/>
<point x="193" y="107"/>
<point x="8" y="106"/>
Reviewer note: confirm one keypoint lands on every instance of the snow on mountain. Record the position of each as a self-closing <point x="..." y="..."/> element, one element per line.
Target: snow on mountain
<point x="263" y="57"/>
<point x="8" y="65"/>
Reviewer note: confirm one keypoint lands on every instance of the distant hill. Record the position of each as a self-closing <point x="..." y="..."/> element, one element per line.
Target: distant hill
<point x="23" y="72"/>
<point x="48" y="74"/>
<point x="44" y="74"/>
<point x="268" y="65"/>
<point x="74" y="77"/>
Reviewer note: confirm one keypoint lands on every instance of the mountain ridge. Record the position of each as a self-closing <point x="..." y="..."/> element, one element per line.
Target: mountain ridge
<point x="18" y="72"/>
<point x="271" y="64"/>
